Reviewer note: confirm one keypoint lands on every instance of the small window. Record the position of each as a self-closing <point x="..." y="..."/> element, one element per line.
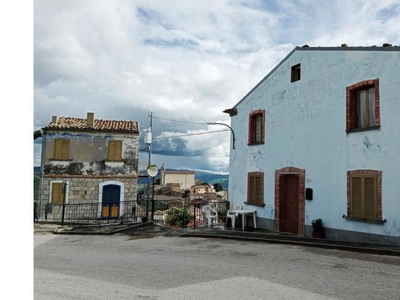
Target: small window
<point x="364" y="195"/>
<point x="362" y="106"/>
<point x="256" y="127"/>
<point x="57" y="193"/>
<point x="295" y="74"/>
<point x="255" y="188"/>
<point x="114" y="151"/>
<point x="61" y="149"/>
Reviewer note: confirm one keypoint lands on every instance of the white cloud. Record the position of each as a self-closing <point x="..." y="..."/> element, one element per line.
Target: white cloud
<point x="182" y="60"/>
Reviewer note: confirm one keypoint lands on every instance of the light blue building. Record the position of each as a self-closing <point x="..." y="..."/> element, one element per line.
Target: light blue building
<point x="319" y="137"/>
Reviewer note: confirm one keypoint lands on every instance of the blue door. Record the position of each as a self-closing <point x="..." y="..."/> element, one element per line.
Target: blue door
<point x="110" y="201"/>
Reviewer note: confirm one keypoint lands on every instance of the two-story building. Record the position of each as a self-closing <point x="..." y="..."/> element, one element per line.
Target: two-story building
<point x="319" y="137"/>
<point x="90" y="163"/>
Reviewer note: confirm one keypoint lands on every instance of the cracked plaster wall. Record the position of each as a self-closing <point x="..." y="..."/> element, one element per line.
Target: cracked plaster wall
<point x="305" y="124"/>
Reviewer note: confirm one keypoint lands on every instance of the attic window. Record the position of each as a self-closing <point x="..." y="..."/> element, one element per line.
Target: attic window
<point x="295" y="73"/>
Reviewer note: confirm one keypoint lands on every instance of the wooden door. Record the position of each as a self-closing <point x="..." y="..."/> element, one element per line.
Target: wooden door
<point x="289" y="203"/>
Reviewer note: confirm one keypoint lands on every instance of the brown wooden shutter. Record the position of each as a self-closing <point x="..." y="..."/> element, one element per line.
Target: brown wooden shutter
<point x="356" y="197"/>
<point x="56" y="193"/>
<point x="61" y="148"/>
<point x="58" y="149"/>
<point x="65" y="149"/>
<point x="115" y="150"/>
<point x="369" y="191"/>
<point x="250" y="188"/>
<point x="258" y="192"/>
<point x="255" y="188"/>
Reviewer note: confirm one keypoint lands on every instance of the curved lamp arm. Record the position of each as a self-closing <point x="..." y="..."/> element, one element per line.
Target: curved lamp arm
<point x="233" y="133"/>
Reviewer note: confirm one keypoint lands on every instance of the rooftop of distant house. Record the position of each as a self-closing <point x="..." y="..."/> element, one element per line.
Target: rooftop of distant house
<point x="92" y="124"/>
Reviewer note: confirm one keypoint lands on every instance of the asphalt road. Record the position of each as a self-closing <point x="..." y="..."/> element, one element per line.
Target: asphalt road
<point x="129" y="267"/>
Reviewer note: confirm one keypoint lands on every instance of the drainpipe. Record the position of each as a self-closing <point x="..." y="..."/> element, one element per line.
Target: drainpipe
<point x="42" y="174"/>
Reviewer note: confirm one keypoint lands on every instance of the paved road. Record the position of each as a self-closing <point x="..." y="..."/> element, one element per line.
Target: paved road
<point x="128" y="267"/>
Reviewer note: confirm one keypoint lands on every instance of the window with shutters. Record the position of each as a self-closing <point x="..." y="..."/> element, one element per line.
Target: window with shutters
<point x="56" y="193"/>
<point x="255" y="188"/>
<point x="362" y="106"/>
<point x="364" y="195"/>
<point x="256" y="127"/>
<point x="114" y="151"/>
<point x="61" y="149"/>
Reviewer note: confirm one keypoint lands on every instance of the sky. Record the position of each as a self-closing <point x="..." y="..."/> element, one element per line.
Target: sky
<point x="183" y="61"/>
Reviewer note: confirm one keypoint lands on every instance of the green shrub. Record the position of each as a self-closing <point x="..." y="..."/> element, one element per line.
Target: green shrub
<point x="178" y="217"/>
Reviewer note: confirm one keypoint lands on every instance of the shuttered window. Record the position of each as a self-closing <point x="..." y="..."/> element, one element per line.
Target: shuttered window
<point x="364" y="195"/>
<point x="256" y="127"/>
<point x="61" y="149"/>
<point x="56" y="193"/>
<point x="255" y="188"/>
<point x="114" y="151"/>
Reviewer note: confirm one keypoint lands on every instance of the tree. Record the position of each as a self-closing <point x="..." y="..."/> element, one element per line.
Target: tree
<point x="37" y="134"/>
<point x="178" y="217"/>
<point x="218" y="187"/>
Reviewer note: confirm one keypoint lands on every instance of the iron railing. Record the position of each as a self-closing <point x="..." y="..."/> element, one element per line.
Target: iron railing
<point x="178" y="215"/>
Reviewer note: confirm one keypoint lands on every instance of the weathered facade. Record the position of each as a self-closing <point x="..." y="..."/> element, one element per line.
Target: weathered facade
<point x="89" y="161"/>
<point x="319" y="137"/>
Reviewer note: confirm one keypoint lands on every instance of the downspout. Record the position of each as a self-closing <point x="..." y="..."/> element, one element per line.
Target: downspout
<point x="42" y="173"/>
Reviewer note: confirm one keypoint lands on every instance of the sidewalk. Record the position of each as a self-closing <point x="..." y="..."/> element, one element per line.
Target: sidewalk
<point x="256" y="235"/>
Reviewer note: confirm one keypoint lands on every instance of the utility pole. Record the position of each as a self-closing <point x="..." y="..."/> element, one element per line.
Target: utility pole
<point x="148" y="139"/>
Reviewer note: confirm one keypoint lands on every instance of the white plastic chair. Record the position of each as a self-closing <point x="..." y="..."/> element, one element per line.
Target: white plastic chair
<point x="211" y="214"/>
<point x="231" y="215"/>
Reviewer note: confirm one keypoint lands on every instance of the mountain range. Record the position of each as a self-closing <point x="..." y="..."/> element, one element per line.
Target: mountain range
<point x="211" y="178"/>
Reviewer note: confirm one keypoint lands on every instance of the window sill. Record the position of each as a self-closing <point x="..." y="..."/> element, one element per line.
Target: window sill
<point x="351" y="130"/>
<point x="253" y="204"/>
<point x="380" y="222"/>
<point x="60" y="159"/>
<point x="255" y="144"/>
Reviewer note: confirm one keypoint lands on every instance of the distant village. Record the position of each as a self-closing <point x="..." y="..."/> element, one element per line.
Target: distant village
<point x="177" y="188"/>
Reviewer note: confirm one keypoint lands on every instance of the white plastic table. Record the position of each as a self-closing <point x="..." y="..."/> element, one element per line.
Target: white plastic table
<point x="244" y="212"/>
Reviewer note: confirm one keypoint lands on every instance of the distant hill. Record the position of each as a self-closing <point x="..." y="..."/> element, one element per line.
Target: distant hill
<point x="211" y="178"/>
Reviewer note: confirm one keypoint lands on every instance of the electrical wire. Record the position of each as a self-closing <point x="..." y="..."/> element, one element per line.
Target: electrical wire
<point x="189" y="134"/>
<point x="179" y="121"/>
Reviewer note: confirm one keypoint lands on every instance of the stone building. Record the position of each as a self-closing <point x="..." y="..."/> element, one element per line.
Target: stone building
<point x="89" y="163"/>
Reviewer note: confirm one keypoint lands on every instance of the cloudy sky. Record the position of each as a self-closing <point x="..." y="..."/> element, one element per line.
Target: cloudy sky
<point x="184" y="61"/>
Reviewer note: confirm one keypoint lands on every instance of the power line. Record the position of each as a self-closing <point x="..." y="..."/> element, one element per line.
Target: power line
<point x="189" y="134"/>
<point x="179" y="121"/>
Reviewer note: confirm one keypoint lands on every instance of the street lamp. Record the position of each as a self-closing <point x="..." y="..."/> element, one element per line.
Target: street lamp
<point x="233" y="133"/>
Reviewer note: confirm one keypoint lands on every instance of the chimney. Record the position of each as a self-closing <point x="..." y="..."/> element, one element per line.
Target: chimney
<point x="54" y="120"/>
<point x="90" y="119"/>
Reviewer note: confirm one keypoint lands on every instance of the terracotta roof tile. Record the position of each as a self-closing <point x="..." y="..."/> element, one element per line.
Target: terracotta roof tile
<point x="68" y="123"/>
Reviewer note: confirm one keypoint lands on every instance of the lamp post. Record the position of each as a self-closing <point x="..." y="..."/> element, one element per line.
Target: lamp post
<point x="233" y="133"/>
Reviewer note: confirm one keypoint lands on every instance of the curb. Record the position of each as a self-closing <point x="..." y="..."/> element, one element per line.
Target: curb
<point x="351" y="248"/>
